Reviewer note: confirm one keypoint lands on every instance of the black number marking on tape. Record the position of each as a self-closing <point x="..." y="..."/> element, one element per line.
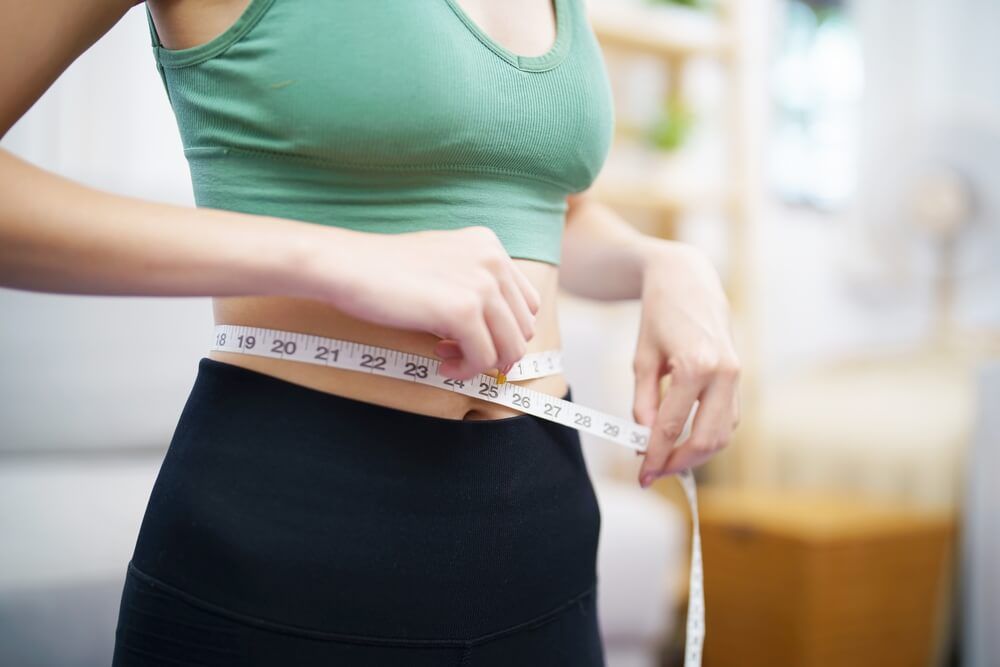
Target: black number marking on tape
<point x="374" y="362"/>
<point x="416" y="370"/>
<point x="283" y="346"/>
<point x="323" y="353"/>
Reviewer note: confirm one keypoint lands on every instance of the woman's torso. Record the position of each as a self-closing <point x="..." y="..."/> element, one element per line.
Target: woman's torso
<point x="529" y="28"/>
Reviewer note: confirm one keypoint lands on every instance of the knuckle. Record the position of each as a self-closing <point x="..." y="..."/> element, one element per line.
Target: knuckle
<point x="485" y="285"/>
<point x="671" y="430"/>
<point x="731" y="368"/>
<point x="481" y="231"/>
<point x="442" y="316"/>
<point x="697" y="366"/>
<point x="494" y="260"/>
<point x="681" y="372"/>
<point x="490" y="242"/>
<point x="711" y="444"/>
<point x="702" y="445"/>
<point x="536" y="300"/>
<point x="465" y="308"/>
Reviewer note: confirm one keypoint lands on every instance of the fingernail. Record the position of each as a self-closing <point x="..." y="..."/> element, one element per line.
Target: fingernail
<point x="647" y="479"/>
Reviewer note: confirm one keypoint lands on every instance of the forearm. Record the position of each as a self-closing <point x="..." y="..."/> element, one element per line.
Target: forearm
<point x="60" y="236"/>
<point x="603" y="257"/>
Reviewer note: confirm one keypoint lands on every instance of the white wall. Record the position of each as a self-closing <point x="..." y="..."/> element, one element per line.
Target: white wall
<point x="75" y="372"/>
<point x="932" y="96"/>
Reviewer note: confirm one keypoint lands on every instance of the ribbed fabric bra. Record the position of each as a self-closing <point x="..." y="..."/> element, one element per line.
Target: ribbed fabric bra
<point x="392" y="116"/>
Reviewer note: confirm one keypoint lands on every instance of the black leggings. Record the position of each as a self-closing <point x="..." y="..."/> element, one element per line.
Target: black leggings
<point x="289" y="526"/>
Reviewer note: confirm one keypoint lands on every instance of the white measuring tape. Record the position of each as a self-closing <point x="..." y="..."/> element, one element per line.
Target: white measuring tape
<point x="354" y="356"/>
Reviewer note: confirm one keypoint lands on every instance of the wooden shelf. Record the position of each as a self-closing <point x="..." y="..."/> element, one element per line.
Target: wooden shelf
<point x="635" y="30"/>
<point x="656" y="197"/>
<point x="667" y="183"/>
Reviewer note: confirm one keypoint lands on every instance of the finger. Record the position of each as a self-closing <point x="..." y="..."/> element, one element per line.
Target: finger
<point x="669" y="425"/>
<point x="447" y="349"/>
<point x="529" y="291"/>
<point x="685" y="457"/>
<point x="648" y="369"/>
<point x="710" y="431"/>
<point x="519" y="306"/>
<point x="713" y="422"/>
<point x="477" y="348"/>
<point x="507" y="336"/>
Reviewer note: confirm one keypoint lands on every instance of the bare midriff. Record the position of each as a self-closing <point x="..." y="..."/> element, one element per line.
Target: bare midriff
<point x="317" y="318"/>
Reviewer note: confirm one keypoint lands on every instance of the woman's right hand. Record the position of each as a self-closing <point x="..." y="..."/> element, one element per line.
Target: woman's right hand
<point x="57" y="235"/>
<point x="456" y="284"/>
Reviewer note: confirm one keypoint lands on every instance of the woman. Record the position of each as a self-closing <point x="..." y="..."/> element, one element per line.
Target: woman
<point x="407" y="175"/>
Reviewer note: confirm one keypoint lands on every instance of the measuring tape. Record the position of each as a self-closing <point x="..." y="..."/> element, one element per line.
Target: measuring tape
<point x="354" y="356"/>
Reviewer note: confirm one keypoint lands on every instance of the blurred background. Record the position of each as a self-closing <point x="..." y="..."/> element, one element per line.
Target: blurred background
<point x="839" y="161"/>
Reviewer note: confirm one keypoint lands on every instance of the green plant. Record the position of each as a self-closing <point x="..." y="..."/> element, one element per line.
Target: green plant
<point x="824" y="9"/>
<point x="673" y="126"/>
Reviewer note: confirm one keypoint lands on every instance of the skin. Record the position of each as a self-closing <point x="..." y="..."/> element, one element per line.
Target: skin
<point x="455" y="295"/>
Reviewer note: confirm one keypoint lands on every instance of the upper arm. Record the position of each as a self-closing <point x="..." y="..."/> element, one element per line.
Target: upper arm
<point x="40" y="40"/>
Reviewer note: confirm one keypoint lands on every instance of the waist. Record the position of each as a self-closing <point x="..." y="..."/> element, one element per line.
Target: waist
<point x="320" y="319"/>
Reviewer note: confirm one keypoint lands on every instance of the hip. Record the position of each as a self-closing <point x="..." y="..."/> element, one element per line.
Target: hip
<point x="317" y="511"/>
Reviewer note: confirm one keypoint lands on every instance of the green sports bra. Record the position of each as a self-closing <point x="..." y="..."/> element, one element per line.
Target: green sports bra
<point x="392" y="116"/>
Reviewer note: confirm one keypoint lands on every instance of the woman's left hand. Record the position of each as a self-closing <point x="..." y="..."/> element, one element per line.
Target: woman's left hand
<point x="684" y="331"/>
